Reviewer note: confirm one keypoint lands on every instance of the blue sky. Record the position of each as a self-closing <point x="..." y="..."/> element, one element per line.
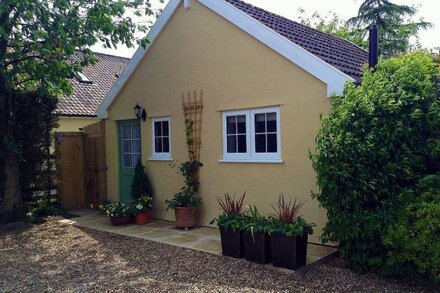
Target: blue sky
<point x="428" y="9"/>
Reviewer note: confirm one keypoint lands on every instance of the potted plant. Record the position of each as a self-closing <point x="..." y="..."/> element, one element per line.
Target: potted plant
<point x="119" y="213"/>
<point x="141" y="208"/>
<point x="256" y="240"/>
<point x="230" y="223"/>
<point x="185" y="203"/>
<point x="141" y="192"/>
<point x="289" y="234"/>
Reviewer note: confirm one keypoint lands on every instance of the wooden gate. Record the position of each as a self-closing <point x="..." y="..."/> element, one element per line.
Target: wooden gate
<point x="81" y="165"/>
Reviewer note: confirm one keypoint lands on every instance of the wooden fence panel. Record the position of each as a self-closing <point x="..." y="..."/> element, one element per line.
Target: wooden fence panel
<point x="82" y="170"/>
<point x="95" y="163"/>
<point x="70" y="166"/>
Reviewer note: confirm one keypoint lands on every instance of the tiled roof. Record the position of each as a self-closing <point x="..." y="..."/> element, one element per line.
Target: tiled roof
<point x="339" y="53"/>
<point x="87" y="97"/>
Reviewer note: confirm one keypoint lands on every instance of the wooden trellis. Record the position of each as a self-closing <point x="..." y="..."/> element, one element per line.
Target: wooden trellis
<point x="192" y="104"/>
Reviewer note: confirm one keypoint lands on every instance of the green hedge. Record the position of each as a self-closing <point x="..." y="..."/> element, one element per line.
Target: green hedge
<point x="413" y="240"/>
<point x="372" y="148"/>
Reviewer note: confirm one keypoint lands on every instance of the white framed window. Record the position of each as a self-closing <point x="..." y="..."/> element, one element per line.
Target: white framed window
<point x="161" y="139"/>
<point x="131" y="145"/>
<point x="252" y="135"/>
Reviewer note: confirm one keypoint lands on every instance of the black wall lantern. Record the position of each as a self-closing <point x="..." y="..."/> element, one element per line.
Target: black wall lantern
<point x="139" y="112"/>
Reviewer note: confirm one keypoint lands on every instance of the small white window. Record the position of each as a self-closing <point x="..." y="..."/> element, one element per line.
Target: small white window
<point x="161" y="140"/>
<point x="252" y="135"/>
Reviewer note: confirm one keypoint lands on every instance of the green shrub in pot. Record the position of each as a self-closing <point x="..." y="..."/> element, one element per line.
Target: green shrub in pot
<point x="256" y="238"/>
<point x="289" y="234"/>
<point x="230" y="223"/>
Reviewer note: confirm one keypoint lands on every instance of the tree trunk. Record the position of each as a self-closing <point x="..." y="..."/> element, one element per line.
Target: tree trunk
<point x="13" y="208"/>
<point x="11" y="200"/>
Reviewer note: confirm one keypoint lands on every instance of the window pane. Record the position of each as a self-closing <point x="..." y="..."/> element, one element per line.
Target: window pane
<point x="127" y="147"/>
<point x="272" y="143"/>
<point x="260" y="123"/>
<point x="136" y="158"/>
<point x="231" y="124"/>
<point x="126" y="132"/>
<point x="232" y="145"/>
<point x="260" y="143"/>
<point x="158" y="145"/>
<point x="128" y="160"/>
<point x="136" y="144"/>
<point x="157" y="129"/>
<point x="271" y="122"/>
<point x="166" y="145"/>
<point x="165" y="128"/>
<point x="241" y="124"/>
<point x="136" y="132"/>
<point x="241" y="139"/>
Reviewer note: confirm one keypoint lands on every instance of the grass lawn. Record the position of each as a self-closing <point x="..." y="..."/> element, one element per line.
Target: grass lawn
<point x="60" y="257"/>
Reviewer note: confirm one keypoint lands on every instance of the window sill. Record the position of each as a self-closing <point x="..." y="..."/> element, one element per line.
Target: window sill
<point x="161" y="159"/>
<point x="253" y="161"/>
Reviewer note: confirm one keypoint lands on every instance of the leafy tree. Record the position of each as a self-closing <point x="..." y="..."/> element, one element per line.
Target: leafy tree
<point x="394" y="23"/>
<point x="141" y="185"/>
<point x="332" y="24"/>
<point x="43" y="43"/>
<point x="375" y="144"/>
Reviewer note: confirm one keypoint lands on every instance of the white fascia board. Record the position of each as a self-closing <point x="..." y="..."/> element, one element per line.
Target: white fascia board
<point x="186" y="4"/>
<point x="331" y="76"/>
<point x="155" y="30"/>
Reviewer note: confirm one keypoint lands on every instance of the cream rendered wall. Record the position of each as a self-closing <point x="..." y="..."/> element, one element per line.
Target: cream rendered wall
<point x="199" y="50"/>
<point x="69" y="124"/>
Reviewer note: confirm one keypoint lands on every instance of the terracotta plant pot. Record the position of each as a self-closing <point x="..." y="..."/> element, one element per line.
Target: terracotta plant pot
<point x="257" y="248"/>
<point x="119" y="221"/>
<point x="232" y="243"/>
<point x="142" y="218"/>
<point x="289" y="252"/>
<point x="185" y="217"/>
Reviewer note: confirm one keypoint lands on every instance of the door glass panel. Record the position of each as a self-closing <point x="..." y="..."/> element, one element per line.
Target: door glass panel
<point x="137" y="146"/>
<point x="136" y="132"/>
<point x="127" y="147"/>
<point x="136" y="158"/>
<point x="128" y="160"/>
<point x="126" y="132"/>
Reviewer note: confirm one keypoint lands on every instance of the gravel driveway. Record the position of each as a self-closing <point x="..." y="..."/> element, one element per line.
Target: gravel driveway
<point x="59" y="257"/>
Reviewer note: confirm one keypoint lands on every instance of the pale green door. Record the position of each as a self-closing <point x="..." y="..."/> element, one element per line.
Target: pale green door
<point x="129" y="145"/>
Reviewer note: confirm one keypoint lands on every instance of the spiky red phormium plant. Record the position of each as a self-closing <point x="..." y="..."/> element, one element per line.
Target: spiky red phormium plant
<point x="231" y="205"/>
<point x="287" y="212"/>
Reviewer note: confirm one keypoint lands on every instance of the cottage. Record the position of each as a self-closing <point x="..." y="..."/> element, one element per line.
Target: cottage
<point x="265" y="80"/>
